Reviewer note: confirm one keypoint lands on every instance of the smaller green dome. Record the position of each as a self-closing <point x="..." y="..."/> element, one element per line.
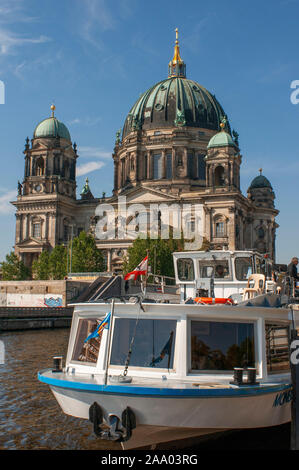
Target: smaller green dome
<point x="221" y="139"/>
<point x="51" y="127"/>
<point x="260" y="182"/>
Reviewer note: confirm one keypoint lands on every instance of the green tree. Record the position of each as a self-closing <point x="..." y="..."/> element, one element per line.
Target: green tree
<point x="40" y="267"/>
<point x="86" y="257"/>
<point x="58" y="263"/>
<point x="51" y="265"/>
<point x="13" y="269"/>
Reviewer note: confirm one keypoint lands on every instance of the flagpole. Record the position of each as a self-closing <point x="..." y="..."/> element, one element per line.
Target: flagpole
<point x="146" y="274"/>
<point x="109" y="342"/>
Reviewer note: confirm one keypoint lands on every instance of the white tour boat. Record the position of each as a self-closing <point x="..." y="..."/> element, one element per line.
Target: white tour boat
<point x="147" y="374"/>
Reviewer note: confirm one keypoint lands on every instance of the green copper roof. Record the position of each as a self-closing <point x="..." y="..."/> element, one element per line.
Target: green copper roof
<point x="51" y="127"/>
<point x="222" y="139"/>
<point x="260" y="182"/>
<point x="175" y="102"/>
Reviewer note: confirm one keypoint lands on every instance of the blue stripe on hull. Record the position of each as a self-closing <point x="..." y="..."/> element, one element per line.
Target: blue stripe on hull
<point x="162" y="392"/>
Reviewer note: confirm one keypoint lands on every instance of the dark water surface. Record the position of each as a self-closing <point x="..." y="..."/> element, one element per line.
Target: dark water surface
<point x="31" y="419"/>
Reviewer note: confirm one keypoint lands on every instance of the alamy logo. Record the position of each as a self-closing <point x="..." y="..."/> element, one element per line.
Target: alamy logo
<point x="2" y="92"/>
<point x="131" y="221"/>
<point x="295" y="94"/>
<point x="2" y="353"/>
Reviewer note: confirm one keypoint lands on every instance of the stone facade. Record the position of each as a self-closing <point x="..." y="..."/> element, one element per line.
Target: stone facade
<point x="176" y="148"/>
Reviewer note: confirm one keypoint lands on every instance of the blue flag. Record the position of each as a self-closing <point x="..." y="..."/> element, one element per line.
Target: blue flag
<point x="104" y="324"/>
<point x="165" y="350"/>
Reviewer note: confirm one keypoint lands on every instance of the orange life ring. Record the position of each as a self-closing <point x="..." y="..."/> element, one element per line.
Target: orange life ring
<point x="211" y="300"/>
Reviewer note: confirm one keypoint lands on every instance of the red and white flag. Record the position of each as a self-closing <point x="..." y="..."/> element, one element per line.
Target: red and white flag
<point x="139" y="271"/>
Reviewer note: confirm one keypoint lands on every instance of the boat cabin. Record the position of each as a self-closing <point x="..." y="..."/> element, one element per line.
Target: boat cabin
<point x="218" y="273"/>
<point x="175" y="341"/>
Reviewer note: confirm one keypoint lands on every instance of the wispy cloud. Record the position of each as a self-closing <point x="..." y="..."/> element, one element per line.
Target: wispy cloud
<point x="9" y="41"/>
<point x="93" y="152"/>
<point x="11" y="12"/>
<point x="5" y="206"/>
<point x="88" y="168"/>
<point x="85" y="121"/>
<point x="96" y="19"/>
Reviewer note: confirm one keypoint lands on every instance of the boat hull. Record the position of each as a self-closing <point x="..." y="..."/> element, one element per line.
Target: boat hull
<point x="162" y="420"/>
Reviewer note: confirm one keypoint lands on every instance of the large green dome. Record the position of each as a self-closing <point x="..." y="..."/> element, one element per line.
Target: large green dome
<point x="173" y="102"/>
<point x="51" y="127"/>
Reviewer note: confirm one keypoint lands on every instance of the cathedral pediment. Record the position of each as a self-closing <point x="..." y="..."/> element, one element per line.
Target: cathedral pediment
<point x="146" y="195"/>
<point x="32" y="243"/>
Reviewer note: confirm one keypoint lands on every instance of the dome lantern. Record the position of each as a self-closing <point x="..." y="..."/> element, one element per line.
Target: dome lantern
<point x="177" y="67"/>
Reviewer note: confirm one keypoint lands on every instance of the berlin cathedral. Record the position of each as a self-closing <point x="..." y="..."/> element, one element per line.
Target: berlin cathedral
<point x="176" y="147"/>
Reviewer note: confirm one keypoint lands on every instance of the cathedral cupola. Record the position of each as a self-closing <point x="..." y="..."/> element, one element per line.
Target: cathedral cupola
<point x="260" y="191"/>
<point x="223" y="161"/>
<point x="50" y="162"/>
<point x="51" y="127"/>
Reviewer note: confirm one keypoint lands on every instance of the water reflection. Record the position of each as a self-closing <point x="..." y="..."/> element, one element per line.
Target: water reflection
<point x="30" y="417"/>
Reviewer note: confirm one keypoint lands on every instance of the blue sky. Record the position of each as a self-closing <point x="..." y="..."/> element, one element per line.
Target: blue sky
<point x="93" y="58"/>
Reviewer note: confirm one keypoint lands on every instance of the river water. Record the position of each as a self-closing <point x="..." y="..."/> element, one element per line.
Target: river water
<point x="31" y="419"/>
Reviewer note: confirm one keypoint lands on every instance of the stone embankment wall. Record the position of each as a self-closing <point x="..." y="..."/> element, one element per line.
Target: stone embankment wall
<point x="40" y="293"/>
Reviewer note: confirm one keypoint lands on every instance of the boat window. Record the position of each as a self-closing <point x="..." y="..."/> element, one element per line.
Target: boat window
<point x="243" y="268"/>
<point x="185" y="269"/>
<point x="87" y="350"/>
<point x="153" y="342"/>
<point x="219" y="269"/>
<point x="221" y="346"/>
<point x="277" y="347"/>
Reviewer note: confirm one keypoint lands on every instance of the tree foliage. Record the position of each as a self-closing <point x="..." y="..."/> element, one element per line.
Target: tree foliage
<point x="81" y="256"/>
<point x="13" y="269"/>
<point x="85" y="255"/>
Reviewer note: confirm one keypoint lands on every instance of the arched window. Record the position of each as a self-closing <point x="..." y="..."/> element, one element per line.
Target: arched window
<point x="40" y="167"/>
<point x="219" y="176"/>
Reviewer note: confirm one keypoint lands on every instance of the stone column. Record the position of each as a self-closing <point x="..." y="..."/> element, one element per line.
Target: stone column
<point x="148" y="170"/>
<point x="18" y="227"/>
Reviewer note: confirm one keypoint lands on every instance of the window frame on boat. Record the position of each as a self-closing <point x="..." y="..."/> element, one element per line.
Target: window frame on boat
<point x="100" y="365"/>
<point x="148" y="369"/>
<point x="224" y="372"/>
<point x="281" y="325"/>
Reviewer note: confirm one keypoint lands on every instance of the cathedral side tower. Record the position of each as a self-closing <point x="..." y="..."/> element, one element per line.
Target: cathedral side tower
<point x="47" y="196"/>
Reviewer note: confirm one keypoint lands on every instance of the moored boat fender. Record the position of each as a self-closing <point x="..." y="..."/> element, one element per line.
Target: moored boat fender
<point x="211" y="300"/>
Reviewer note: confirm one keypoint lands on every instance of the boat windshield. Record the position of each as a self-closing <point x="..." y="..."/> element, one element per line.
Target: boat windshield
<point x="244" y="268"/>
<point x="185" y="269"/>
<point x="88" y="341"/>
<point x="153" y="342"/>
<point x="218" y="269"/>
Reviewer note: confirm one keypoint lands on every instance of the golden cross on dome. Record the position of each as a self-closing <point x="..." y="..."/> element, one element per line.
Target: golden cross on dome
<point x="53" y="107"/>
<point x="260" y="170"/>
